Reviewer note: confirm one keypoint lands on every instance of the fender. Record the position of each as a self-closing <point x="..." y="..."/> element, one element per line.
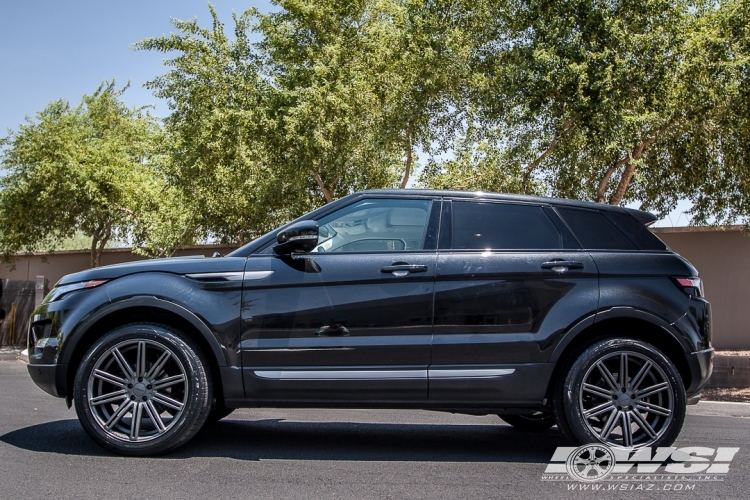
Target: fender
<point x="618" y="312"/>
<point x="144" y="301"/>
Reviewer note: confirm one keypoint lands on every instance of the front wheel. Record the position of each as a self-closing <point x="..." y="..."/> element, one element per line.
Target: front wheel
<point x="623" y="393"/>
<point x="143" y="389"/>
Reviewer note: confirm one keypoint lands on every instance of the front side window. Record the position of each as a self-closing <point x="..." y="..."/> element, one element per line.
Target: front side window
<point x="375" y="225"/>
<point x="500" y="226"/>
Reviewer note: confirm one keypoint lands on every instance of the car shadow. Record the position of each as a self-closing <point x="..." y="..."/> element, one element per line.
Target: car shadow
<point x="290" y="440"/>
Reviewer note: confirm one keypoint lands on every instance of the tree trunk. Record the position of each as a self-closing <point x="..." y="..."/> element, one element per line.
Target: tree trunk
<point x="326" y="192"/>
<point x="409" y="156"/>
<point x="98" y="242"/>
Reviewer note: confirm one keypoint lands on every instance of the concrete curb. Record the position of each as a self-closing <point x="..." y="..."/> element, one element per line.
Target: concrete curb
<point x="730" y="371"/>
<point x="11" y="353"/>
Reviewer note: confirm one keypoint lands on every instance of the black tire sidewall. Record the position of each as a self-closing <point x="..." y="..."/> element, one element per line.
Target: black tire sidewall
<point x="198" y="383"/>
<point x="574" y="379"/>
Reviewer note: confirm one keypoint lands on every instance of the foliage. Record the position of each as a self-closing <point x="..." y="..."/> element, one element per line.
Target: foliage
<point x="82" y="169"/>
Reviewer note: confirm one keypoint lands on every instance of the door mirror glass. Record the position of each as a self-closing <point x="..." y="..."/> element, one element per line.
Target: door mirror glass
<point x="300" y="237"/>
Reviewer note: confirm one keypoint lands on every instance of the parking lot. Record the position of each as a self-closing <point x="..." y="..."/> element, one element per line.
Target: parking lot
<point x="331" y="454"/>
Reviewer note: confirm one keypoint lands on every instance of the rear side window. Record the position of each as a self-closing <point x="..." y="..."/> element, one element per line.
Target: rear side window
<point x="497" y="226"/>
<point x="594" y="231"/>
<point x="635" y="231"/>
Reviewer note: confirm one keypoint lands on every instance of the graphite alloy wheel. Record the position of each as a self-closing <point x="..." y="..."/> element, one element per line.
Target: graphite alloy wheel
<point x="538" y="421"/>
<point x="623" y="393"/>
<point x="142" y="389"/>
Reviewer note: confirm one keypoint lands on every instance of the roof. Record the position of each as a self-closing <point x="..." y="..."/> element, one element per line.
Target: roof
<point x="643" y="217"/>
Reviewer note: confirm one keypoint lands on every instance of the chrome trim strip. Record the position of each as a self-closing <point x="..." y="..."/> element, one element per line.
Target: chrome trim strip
<point x="470" y="373"/>
<point x="216" y="276"/>
<point x="256" y="275"/>
<point x="341" y="374"/>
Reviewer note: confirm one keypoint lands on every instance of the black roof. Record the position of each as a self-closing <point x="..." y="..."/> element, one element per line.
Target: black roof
<point x="643" y="217"/>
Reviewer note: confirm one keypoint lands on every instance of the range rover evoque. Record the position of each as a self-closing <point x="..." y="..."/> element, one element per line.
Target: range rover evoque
<point x="542" y="311"/>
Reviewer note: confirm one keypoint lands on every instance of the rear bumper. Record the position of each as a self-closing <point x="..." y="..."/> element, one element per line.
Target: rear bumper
<point x="701" y="365"/>
<point x="49" y="378"/>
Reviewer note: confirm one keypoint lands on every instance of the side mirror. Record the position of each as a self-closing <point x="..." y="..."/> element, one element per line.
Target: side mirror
<point x="298" y="238"/>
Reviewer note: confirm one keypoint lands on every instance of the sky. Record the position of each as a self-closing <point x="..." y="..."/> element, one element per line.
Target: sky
<point x="52" y="49"/>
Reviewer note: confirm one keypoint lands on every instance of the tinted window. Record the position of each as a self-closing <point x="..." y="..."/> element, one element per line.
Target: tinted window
<point x="636" y="232"/>
<point x="497" y="226"/>
<point x="594" y="231"/>
<point x="376" y="225"/>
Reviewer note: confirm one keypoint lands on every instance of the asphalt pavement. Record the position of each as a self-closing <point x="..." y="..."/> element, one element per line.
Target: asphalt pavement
<point x="326" y="454"/>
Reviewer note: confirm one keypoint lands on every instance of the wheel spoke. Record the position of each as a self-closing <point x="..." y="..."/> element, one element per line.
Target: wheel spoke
<point x="636" y="382"/>
<point x="167" y="401"/>
<point x="598" y="391"/>
<point x="643" y="424"/>
<point x="651" y="408"/>
<point x="607" y="376"/>
<point x="627" y="429"/>
<point x="140" y="363"/>
<point x="598" y="410"/>
<point x="117" y="416"/>
<point x="108" y="377"/>
<point x="623" y="375"/>
<point x="124" y="365"/>
<point x="155" y="417"/>
<point x="108" y="398"/>
<point x="650" y="391"/>
<point x="154" y="371"/>
<point x="135" y="425"/>
<point x="169" y="381"/>
<point x="611" y="423"/>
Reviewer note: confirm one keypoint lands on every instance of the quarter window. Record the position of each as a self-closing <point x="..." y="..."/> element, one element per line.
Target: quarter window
<point x="375" y="225"/>
<point x="499" y="226"/>
<point x="594" y="231"/>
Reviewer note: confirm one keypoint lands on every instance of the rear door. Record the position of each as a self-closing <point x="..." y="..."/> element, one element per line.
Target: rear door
<point x="509" y="282"/>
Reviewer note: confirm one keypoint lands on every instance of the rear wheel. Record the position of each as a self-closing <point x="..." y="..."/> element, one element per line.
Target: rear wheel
<point x="538" y="421"/>
<point x="622" y="393"/>
<point x="143" y="389"/>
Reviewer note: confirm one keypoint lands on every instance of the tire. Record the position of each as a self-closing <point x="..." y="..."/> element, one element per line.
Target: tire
<point x="646" y="407"/>
<point x="539" y="421"/>
<point x="143" y="389"/>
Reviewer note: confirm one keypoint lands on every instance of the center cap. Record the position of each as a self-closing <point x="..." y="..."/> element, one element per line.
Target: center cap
<point x="624" y="400"/>
<point x="139" y="390"/>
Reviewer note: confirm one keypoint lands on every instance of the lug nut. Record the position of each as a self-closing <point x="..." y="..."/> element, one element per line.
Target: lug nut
<point x="148" y="387"/>
<point x="130" y="386"/>
<point x="132" y="398"/>
<point x="144" y="398"/>
<point x="140" y="379"/>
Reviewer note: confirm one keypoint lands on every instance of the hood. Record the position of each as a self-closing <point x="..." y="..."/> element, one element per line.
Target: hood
<point x="174" y="265"/>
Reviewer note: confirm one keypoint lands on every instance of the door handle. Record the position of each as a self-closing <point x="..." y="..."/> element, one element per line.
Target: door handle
<point x="562" y="266"/>
<point x="400" y="270"/>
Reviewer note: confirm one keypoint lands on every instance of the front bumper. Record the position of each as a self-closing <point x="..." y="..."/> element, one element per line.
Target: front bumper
<point x="701" y="365"/>
<point x="50" y="378"/>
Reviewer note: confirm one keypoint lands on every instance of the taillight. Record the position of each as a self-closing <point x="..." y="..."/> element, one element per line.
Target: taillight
<point x="691" y="286"/>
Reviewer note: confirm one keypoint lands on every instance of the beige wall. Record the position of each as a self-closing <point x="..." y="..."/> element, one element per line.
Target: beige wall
<point x="722" y="258"/>
<point x="55" y="266"/>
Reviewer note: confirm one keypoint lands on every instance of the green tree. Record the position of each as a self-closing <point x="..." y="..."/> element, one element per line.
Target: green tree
<point x="639" y="100"/>
<point x="83" y="169"/>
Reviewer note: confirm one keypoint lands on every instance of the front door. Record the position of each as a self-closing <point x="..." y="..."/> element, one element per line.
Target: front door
<point x="351" y="320"/>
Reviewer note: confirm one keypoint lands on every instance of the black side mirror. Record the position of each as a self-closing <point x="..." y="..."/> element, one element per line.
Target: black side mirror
<point x="298" y="238"/>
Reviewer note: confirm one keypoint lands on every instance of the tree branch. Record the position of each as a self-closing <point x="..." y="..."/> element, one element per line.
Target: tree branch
<point x="567" y="127"/>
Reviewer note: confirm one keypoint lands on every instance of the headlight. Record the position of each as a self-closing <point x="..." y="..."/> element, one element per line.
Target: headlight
<point x="59" y="291"/>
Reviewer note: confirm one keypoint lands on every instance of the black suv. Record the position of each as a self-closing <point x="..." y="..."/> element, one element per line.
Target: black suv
<point x="542" y="311"/>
